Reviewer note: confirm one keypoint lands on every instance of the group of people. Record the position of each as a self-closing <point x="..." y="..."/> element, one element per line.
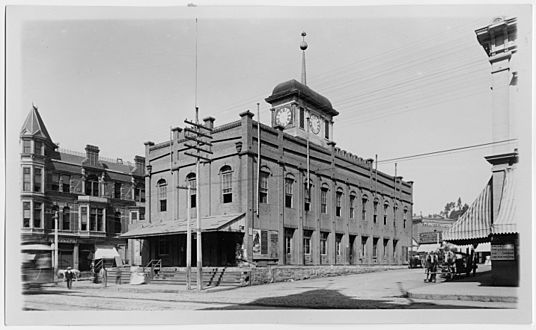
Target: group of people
<point x="454" y="263"/>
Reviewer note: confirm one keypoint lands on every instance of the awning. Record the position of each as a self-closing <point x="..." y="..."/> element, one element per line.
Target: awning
<point x="483" y="247"/>
<point x="428" y="247"/>
<point x="105" y="252"/>
<point x="228" y="222"/>
<point x="474" y="226"/>
<point x="506" y="218"/>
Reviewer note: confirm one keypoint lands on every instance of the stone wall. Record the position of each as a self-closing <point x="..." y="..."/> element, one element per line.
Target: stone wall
<point x="263" y="275"/>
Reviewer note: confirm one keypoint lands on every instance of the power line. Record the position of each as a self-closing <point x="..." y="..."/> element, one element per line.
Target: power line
<point x="446" y="150"/>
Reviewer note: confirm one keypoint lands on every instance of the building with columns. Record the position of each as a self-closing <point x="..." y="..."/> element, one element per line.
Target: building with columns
<point x="280" y="194"/>
<point x="94" y="198"/>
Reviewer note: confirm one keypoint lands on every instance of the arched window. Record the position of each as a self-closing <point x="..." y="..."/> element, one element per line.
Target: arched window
<point x="226" y="174"/>
<point x="405" y="215"/>
<point x="364" y="200"/>
<point x="307" y="195"/>
<point x="385" y="208"/>
<point x="66" y="223"/>
<point x="338" y="202"/>
<point x="324" y="199"/>
<point x="190" y="179"/>
<point x="375" y="214"/>
<point x="263" y="185"/>
<point x="162" y="194"/>
<point x="92" y="185"/>
<point x="352" y="205"/>
<point x="289" y="186"/>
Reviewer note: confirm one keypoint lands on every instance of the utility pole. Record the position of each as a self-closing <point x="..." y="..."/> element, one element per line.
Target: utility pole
<point x="188" y="242"/>
<point x="194" y="134"/>
<point x="56" y="245"/>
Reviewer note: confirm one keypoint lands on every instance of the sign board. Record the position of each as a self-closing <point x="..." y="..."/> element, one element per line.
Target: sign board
<point x="430" y="237"/>
<point x="265" y="244"/>
<point x="257" y="241"/>
<point x="502" y="252"/>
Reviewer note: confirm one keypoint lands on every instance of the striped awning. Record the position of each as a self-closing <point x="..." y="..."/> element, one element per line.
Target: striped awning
<point x="474" y="226"/>
<point x="506" y="218"/>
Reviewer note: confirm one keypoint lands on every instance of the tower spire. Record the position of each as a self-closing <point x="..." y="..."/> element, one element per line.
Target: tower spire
<point x="303" y="47"/>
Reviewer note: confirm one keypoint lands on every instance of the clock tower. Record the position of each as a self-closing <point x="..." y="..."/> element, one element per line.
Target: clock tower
<point x="300" y="110"/>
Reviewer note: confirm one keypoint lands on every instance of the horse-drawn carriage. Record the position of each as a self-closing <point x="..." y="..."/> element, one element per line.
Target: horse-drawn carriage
<point x="448" y="264"/>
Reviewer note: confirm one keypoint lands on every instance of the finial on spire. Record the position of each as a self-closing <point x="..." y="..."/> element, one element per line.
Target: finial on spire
<point x="303" y="47"/>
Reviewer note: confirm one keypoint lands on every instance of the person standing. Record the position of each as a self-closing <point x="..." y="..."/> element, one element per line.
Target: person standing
<point x="69" y="275"/>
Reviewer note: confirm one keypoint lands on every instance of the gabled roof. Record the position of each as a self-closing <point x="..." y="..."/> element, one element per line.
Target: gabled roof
<point x="34" y="125"/>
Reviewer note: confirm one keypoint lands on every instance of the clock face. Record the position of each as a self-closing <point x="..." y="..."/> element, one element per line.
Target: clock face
<point x="283" y="116"/>
<point x="315" y="124"/>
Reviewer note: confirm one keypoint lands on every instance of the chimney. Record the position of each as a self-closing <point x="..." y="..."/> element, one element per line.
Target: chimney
<point x="92" y="154"/>
<point x="176" y="131"/>
<point x="209" y="122"/>
<point x="139" y="161"/>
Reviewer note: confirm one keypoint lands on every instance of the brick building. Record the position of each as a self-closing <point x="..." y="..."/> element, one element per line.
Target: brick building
<point x="351" y="214"/>
<point x="95" y="198"/>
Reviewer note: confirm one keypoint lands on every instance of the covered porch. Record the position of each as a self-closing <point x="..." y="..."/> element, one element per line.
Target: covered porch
<point x="221" y="237"/>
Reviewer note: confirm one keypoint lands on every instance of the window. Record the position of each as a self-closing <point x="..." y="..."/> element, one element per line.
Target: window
<point x="375" y="215"/>
<point x="324" y="243"/>
<point x="66" y="183"/>
<point x="326" y="130"/>
<point x="117" y="223"/>
<point x="92" y="219"/>
<point x="142" y="214"/>
<point x="55" y="182"/>
<point x="288" y="191"/>
<point x="26" y="146"/>
<point x="352" y="207"/>
<point x="385" y="248"/>
<point x="66" y="223"/>
<point x="139" y="195"/>
<point x="375" y="247"/>
<point x="395" y="243"/>
<point x="92" y="185"/>
<point x="134" y="216"/>
<point x="226" y="184"/>
<point x="162" y="194"/>
<point x="26" y="179"/>
<point x="395" y="208"/>
<point x="38" y="148"/>
<point x="405" y="216"/>
<point x="364" y="209"/>
<point x="26" y="214"/>
<point x="83" y="218"/>
<point x="385" y="208"/>
<point x="307" y="198"/>
<point x="117" y="189"/>
<point x="37" y="179"/>
<point x="338" y="198"/>
<point x="338" y="245"/>
<point x="190" y="178"/>
<point x="307" y="242"/>
<point x="289" y="233"/>
<point x="38" y="215"/>
<point x="364" y="240"/>
<point x="323" y="201"/>
<point x="302" y="118"/>
<point x="263" y="187"/>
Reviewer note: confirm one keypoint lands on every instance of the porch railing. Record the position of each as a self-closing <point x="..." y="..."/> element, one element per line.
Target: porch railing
<point x="153" y="265"/>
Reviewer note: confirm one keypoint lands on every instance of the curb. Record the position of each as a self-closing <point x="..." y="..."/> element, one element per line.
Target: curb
<point x="481" y="298"/>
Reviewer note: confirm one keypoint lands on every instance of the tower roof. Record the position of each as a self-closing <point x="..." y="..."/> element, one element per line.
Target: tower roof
<point x="34" y="126"/>
<point x="292" y="87"/>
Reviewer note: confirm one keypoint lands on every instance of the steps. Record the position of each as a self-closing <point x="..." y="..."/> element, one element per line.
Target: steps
<point x="212" y="277"/>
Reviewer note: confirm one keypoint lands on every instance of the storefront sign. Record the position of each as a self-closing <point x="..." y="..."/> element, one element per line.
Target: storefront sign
<point x="430" y="237"/>
<point x="502" y="252"/>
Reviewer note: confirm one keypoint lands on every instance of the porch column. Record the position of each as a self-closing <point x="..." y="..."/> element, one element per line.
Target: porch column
<point x="76" y="257"/>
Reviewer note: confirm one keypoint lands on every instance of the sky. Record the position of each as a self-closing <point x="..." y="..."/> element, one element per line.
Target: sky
<point x="406" y="80"/>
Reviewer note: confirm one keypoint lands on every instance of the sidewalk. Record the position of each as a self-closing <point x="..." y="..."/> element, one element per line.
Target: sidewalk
<point x="476" y="288"/>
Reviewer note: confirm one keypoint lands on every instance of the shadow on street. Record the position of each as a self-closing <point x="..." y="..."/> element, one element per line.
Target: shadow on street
<point x="332" y="299"/>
